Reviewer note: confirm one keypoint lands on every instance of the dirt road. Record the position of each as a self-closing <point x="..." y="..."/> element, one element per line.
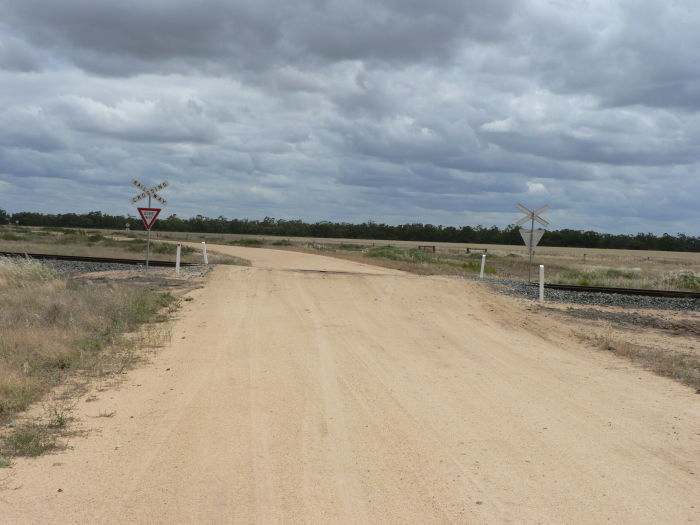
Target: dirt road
<point x="305" y="389"/>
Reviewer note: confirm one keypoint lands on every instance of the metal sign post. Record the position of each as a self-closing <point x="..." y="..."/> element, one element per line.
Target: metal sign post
<point x="149" y="214"/>
<point x="531" y="236"/>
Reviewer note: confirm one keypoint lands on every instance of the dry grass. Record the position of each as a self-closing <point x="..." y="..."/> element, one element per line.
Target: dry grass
<point x="50" y="328"/>
<point x="683" y="367"/>
<point x="615" y="268"/>
<point x="94" y="243"/>
<point x="603" y="268"/>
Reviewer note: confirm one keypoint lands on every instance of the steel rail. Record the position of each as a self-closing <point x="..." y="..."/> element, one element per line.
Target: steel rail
<point x="624" y="291"/>
<point x="79" y="258"/>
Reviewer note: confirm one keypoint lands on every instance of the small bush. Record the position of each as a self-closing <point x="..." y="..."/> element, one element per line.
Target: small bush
<point x="350" y="247"/>
<point x="252" y="243"/>
<point x="283" y="242"/>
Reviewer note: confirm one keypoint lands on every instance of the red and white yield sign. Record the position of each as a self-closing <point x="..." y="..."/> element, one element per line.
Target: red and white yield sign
<point x="148" y="216"/>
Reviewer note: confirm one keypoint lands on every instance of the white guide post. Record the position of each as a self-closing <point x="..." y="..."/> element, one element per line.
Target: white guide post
<point x="204" y="252"/>
<point x="177" y="258"/>
<point x="483" y="263"/>
<point x="541" y="283"/>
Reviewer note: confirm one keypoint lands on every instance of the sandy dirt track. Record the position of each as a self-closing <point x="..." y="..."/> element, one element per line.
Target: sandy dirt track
<point x="306" y="389"/>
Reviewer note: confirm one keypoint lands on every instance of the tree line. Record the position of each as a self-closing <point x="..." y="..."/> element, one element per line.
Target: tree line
<point x="418" y="232"/>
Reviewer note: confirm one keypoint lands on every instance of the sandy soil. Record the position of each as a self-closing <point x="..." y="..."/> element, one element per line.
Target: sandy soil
<point x="305" y="389"/>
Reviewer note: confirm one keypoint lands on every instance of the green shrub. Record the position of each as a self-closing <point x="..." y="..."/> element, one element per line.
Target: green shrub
<point x="252" y="243"/>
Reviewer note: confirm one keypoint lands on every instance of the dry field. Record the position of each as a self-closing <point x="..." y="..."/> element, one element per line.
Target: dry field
<point x="95" y="243"/>
<point x="586" y="266"/>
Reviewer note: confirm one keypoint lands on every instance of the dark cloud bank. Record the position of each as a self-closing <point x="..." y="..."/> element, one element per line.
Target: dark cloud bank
<point x="394" y="110"/>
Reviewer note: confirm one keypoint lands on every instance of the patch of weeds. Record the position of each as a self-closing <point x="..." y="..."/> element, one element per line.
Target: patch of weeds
<point x="106" y="414"/>
<point x="59" y="413"/>
<point x="229" y="259"/>
<point x="350" y="247"/>
<point x="7" y="236"/>
<point x="251" y="243"/>
<point x="472" y="267"/>
<point x="16" y="397"/>
<point x="477" y="255"/>
<point x="323" y="247"/>
<point x="687" y="280"/>
<point x="620" y="274"/>
<point x="684" y="368"/>
<point x="28" y="440"/>
<point x="598" y="277"/>
<point x="396" y="254"/>
<point x="167" y="248"/>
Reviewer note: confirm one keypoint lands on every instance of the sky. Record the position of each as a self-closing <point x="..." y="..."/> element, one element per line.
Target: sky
<point x="398" y="111"/>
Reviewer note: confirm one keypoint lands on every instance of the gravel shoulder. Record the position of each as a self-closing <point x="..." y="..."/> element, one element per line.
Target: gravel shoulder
<point x="305" y="389"/>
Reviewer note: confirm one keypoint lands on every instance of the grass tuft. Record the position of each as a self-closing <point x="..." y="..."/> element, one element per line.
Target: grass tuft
<point x="28" y="440"/>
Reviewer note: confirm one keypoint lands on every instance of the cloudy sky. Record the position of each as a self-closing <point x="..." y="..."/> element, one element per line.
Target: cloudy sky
<point x="448" y="111"/>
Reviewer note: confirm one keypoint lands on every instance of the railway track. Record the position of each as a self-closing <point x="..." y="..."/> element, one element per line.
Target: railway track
<point x="77" y="258"/>
<point x="624" y="291"/>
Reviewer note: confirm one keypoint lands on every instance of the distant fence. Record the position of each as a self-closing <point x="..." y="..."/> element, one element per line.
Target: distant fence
<point x="484" y="250"/>
<point x="427" y="247"/>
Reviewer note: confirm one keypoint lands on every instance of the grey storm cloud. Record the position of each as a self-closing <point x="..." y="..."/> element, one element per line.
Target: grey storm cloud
<point x="392" y="110"/>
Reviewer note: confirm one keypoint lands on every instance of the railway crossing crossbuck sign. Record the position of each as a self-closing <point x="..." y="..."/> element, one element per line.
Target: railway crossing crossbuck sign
<point x="531" y="236"/>
<point x="150" y="192"/>
<point x="149" y="215"/>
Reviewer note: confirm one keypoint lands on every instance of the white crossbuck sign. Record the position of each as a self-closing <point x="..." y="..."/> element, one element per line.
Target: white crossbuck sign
<point x="150" y="192"/>
<point x="532" y="236"/>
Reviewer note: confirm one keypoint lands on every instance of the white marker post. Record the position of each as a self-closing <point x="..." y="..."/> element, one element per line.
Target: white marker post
<point x="204" y="252"/>
<point x="541" y="283"/>
<point x="483" y="263"/>
<point x="177" y="258"/>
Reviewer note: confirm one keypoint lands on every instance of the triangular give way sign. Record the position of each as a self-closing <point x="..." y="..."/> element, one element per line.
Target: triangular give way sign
<point x="149" y="216"/>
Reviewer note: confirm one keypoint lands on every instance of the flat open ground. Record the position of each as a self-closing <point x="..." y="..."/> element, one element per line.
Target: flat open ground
<point x="305" y="389"/>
